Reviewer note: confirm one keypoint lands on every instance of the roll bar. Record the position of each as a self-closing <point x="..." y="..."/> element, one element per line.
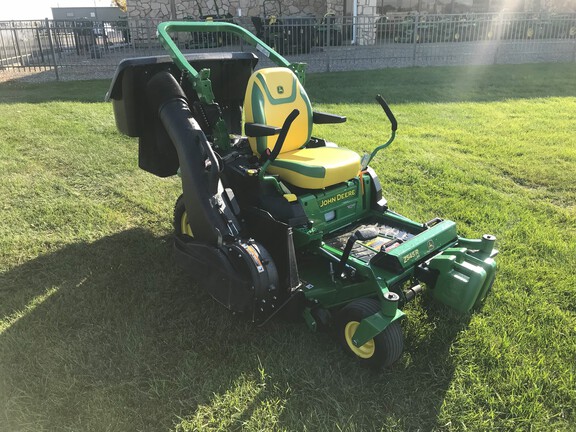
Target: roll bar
<point x="200" y="79"/>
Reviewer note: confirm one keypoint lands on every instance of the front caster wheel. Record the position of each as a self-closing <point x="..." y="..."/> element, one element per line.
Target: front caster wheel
<point x="181" y="224"/>
<point x="381" y="351"/>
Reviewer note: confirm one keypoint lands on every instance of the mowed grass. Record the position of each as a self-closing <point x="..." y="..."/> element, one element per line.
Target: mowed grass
<point x="99" y="329"/>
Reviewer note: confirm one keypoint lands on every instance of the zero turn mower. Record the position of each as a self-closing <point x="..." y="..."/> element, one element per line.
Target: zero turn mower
<point x="274" y="220"/>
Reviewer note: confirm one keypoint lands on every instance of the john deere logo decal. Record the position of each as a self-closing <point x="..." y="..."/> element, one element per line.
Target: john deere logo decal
<point x="336" y="198"/>
<point x="280" y="89"/>
<point x="430" y="245"/>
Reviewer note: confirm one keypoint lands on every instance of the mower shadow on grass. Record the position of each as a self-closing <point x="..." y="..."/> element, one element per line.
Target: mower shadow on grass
<point x="113" y="327"/>
<point x="309" y="383"/>
<point x="109" y="335"/>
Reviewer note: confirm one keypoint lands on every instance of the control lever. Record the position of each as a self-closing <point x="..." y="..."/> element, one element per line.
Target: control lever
<point x="367" y="158"/>
<point x="363" y="234"/>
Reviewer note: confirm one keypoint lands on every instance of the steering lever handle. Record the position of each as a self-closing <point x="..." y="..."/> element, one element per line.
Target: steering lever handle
<point x="388" y="112"/>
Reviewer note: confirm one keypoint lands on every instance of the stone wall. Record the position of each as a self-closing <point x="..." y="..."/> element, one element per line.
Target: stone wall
<point x="365" y="21"/>
<point x="289" y="7"/>
<point x="163" y="10"/>
<point x="335" y="7"/>
<point x="148" y="9"/>
<point x="366" y="30"/>
<point x="367" y="7"/>
<point x="166" y="9"/>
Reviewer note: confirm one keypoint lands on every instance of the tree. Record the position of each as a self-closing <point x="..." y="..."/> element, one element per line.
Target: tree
<point x="120" y="3"/>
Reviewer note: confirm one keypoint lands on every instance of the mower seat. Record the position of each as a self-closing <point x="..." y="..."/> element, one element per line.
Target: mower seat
<point x="271" y="95"/>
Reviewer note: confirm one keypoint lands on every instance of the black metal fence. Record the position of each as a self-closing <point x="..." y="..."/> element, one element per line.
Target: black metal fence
<point x="477" y="27"/>
<point x="78" y="49"/>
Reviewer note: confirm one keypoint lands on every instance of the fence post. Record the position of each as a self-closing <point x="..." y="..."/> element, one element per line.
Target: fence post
<point x="5" y="59"/>
<point x="52" y="49"/>
<point x="498" y="36"/>
<point x="321" y="43"/>
<point x="39" y="43"/>
<point x="58" y="39"/>
<point x="328" y="66"/>
<point x="148" y="35"/>
<point x="415" y="38"/>
<point x="17" y="44"/>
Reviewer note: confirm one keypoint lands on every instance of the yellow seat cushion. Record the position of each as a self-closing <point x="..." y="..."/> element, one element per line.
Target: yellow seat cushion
<point x="271" y="95"/>
<point x="316" y="168"/>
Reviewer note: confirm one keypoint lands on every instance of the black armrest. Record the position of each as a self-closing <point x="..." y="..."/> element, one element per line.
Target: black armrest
<point x="260" y="130"/>
<point x="325" y="118"/>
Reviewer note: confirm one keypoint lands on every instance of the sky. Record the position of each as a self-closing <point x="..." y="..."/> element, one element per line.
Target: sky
<point x="40" y="9"/>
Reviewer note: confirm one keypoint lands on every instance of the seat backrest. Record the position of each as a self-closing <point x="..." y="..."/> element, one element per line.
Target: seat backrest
<point x="271" y="95"/>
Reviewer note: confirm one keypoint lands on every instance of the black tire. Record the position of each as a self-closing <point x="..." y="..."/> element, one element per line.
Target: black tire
<point x="180" y="222"/>
<point x="382" y="351"/>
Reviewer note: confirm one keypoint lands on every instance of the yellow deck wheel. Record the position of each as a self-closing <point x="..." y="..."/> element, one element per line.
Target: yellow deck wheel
<point x="365" y="351"/>
<point x="381" y="351"/>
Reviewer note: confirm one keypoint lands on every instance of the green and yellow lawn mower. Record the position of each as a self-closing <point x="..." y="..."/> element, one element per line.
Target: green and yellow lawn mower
<point x="275" y="221"/>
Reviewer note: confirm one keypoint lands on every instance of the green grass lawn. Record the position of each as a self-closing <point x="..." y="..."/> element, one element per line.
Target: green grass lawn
<point x="99" y="329"/>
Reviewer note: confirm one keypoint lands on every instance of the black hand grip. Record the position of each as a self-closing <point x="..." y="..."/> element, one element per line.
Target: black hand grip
<point x="283" y="133"/>
<point x="388" y="112"/>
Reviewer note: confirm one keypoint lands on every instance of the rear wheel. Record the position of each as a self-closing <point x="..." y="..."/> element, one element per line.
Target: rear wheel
<point x="381" y="351"/>
<point x="181" y="224"/>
